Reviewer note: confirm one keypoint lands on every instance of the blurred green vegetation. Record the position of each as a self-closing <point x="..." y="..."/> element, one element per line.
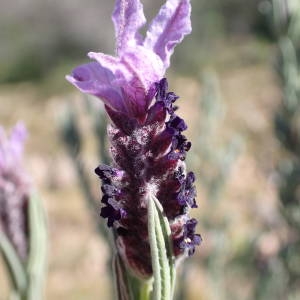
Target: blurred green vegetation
<point x="25" y="57"/>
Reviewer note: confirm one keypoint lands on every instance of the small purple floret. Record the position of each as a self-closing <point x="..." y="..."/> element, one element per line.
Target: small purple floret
<point x="189" y="240"/>
<point x="111" y="194"/>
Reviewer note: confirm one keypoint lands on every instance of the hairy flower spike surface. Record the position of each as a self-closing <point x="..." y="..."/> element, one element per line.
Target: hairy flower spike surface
<point x="147" y="144"/>
<point x="14" y="190"/>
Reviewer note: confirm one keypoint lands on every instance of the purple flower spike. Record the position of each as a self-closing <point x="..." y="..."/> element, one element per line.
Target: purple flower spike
<point x="147" y="144"/>
<point x="148" y="158"/>
<point x="14" y="189"/>
<point x="125" y="83"/>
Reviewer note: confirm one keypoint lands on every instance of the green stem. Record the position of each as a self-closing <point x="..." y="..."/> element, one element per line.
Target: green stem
<point x="145" y="290"/>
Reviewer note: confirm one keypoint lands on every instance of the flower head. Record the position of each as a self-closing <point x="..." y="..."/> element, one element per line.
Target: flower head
<point x="14" y="189"/>
<point x="146" y="135"/>
<point x="125" y="81"/>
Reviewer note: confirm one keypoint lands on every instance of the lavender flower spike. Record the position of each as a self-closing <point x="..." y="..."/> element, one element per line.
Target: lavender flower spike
<point x="147" y="144"/>
<point x="14" y="189"/>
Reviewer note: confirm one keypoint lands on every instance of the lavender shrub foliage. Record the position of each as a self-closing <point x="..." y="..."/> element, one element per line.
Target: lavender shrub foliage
<point x="286" y="264"/>
<point x="147" y="144"/>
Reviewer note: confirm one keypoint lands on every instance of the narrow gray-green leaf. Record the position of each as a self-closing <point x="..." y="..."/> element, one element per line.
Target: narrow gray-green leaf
<point x="169" y="246"/>
<point x="159" y="237"/>
<point x="13" y="264"/>
<point x="157" y="284"/>
<point x="36" y="267"/>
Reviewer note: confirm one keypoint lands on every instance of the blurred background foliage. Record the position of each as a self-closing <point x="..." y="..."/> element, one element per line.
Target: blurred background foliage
<point x="238" y="77"/>
<point x="38" y="37"/>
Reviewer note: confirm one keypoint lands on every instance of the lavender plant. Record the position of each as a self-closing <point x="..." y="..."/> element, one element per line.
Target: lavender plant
<point x="22" y="221"/>
<point x="147" y="192"/>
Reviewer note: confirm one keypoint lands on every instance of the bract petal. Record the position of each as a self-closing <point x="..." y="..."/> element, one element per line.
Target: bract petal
<point x="168" y="28"/>
<point x="134" y="72"/>
<point x="146" y="66"/>
<point x="113" y="64"/>
<point x="124" y="79"/>
<point x="128" y="18"/>
<point x="94" y="79"/>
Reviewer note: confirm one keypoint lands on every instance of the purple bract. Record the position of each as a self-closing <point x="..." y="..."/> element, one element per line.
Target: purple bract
<point x="125" y="83"/>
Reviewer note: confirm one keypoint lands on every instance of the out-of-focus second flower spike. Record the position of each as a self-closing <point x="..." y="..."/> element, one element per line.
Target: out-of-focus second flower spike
<point x="23" y="237"/>
<point x="14" y="189"/>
